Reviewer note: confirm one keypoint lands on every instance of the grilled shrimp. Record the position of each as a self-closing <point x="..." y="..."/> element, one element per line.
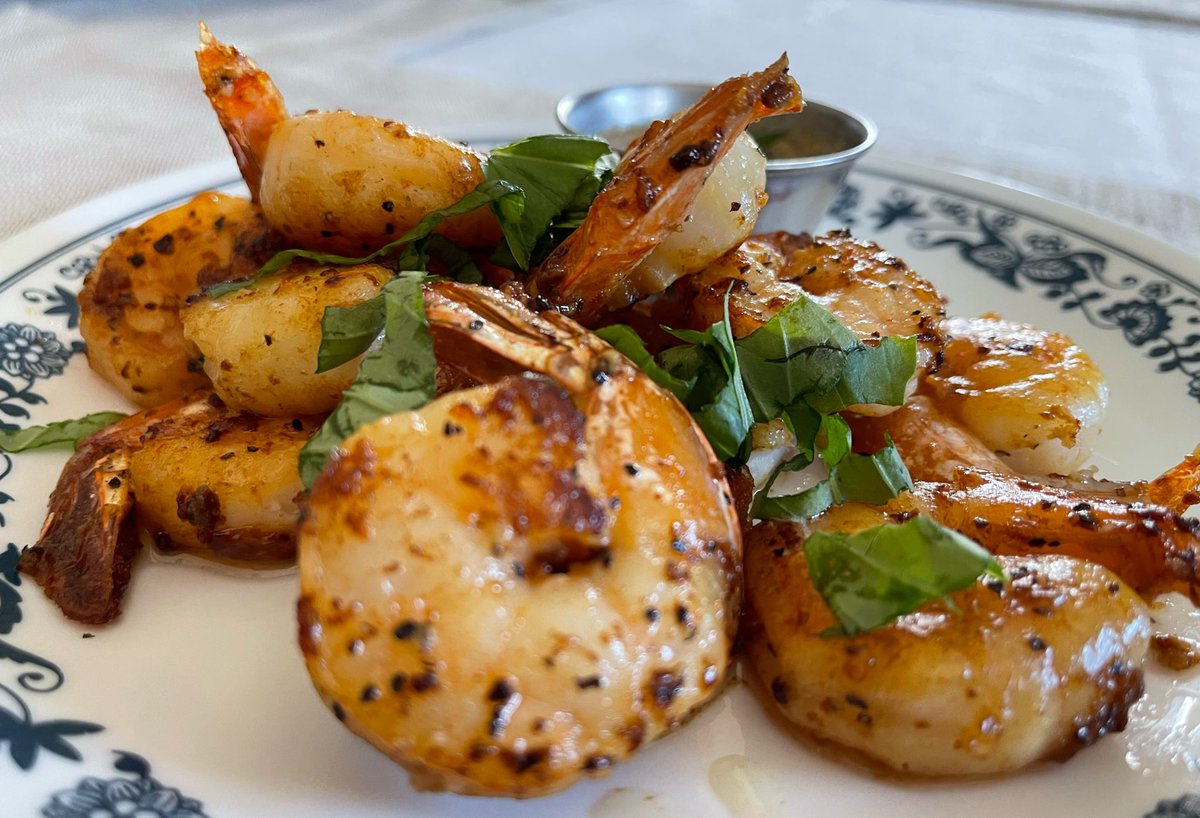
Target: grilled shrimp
<point x="1032" y="669"/>
<point x="871" y="291"/>
<point x="521" y="583"/>
<point x="604" y="264"/>
<point x="192" y="476"/>
<point x="130" y="302"/>
<point x="336" y="181"/>
<point x="1153" y="548"/>
<point x="932" y="445"/>
<point x="1032" y="396"/>
<point x="259" y="344"/>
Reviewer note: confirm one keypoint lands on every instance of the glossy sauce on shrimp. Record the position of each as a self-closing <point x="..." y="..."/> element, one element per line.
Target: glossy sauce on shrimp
<point x="520" y="584"/>
<point x="1035" y="668"/>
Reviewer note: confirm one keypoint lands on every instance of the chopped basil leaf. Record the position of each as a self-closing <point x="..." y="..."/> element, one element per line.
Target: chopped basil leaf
<point x="833" y="439"/>
<point x="490" y="192"/>
<point x="800" y="351"/>
<point x="57" y="433"/>
<point x="877" y="374"/>
<point x="457" y="261"/>
<point x="853" y="478"/>
<point x="347" y="332"/>
<point x="717" y="399"/>
<point x="870" y="578"/>
<point x="871" y="478"/>
<point x="802" y="365"/>
<point x="806" y="352"/>
<point x="629" y="344"/>
<point x="398" y="376"/>
<point x="558" y="177"/>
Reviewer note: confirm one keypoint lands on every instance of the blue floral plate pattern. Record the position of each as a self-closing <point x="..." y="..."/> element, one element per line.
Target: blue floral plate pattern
<point x="201" y="677"/>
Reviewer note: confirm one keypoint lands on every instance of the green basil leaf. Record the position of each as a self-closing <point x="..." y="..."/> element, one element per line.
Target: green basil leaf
<point x="800" y="351"/>
<point x="630" y="344"/>
<point x="489" y="192"/>
<point x="878" y="374"/>
<point x="347" y="332"/>
<point x="870" y="578"/>
<point x="457" y="262"/>
<point x="799" y="506"/>
<point x="396" y="377"/>
<point x="833" y="439"/>
<point x="57" y="433"/>
<point x="871" y="478"/>
<point x="805" y="423"/>
<point x="556" y="175"/>
<point x="853" y="478"/>
<point x="727" y="418"/>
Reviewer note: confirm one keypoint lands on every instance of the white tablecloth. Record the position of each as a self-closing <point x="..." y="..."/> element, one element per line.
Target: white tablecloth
<point x="1100" y="110"/>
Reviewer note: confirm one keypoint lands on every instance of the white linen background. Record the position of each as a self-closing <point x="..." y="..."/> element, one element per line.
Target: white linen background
<point x="1099" y="111"/>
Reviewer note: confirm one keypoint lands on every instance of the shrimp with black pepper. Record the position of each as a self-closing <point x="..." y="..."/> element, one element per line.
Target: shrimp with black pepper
<point x="998" y="676"/>
<point x="192" y="476"/>
<point x="130" y="303"/>
<point x="336" y="181"/>
<point x="520" y="584"/>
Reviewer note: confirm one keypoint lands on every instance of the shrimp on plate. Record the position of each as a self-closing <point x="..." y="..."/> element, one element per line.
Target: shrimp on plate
<point x="336" y="181"/>
<point x="192" y="476"/>
<point x="654" y="221"/>
<point x="130" y="302"/>
<point x="259" y="345"/>
<point x="999" y="676"/>
<point x="521" y="583"/>
<point x="1030" y="669"/>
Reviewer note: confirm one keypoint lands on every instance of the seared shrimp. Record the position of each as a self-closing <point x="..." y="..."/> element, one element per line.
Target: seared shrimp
<point x="192" y="476"/>
<point x="259" y="344"/>
<point x="932" y="445"/>
<point x="1151" y="547"/>
<point x="652" y="193"/>
<point x="871" y="291"/>
<point x="337" y="182"/>
<point x="521" y="583"/>
<point x="1033" y="397"/>
<point x="1032" y="669"/>
<point x="130" y="302"/>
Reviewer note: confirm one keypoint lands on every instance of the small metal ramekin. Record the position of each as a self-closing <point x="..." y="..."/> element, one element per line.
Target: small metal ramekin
<point x="808" y="154"/>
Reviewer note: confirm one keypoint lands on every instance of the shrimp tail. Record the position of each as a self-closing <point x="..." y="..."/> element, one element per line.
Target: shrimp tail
<point x="1178" y="488"/>
<point x="1151" y="547"/>
<point x="655" y="187"/>
<point x="248" y="104"/>
<point x="83" y="557"/>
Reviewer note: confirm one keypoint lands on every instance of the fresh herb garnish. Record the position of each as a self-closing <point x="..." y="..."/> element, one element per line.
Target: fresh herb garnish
<point x="487" y="193"/>
<point x="854" y="478"/>
<point x="57" y="433"/>
<point x="870" y="578"/>
<point x="398" y="376"/>
<point x="802" y="365"/>
<point x="539" y="188"/>
<point x="347" y="332"/>
<point x="704" y="374"/>
<point x="558" y="177"/>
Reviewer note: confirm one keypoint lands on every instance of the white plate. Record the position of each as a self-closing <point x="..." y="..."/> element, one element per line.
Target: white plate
<point x="196" y="702"/>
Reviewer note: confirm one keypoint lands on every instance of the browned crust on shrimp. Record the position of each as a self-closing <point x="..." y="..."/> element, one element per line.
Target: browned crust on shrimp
<point x="1152" y="548"/>
<point x="83" y="557"/>
<point x="130" y="302"/>
<point x="654" y="188"/>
